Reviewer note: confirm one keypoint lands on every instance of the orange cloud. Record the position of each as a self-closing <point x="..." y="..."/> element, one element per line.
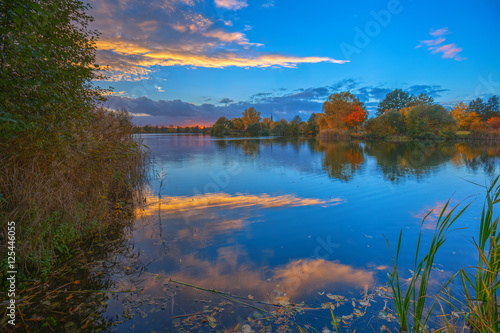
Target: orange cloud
<point x="133" y="48"/>
<point x="131" y="61"/>
<point x="233" y="37"/>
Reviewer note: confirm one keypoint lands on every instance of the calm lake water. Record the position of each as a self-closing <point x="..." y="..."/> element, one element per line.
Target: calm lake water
<point x="281" y="221"/>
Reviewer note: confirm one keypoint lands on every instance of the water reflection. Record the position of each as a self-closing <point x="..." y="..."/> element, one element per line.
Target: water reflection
<point x="176" y="204"/>
<point x="477" y="157"/>
<point x="398" y="161"/>
<point x="201" y="217"/>
<point x="231" y="270"/>
<point x="341" y="160"/>
<point x="258" y="232"/>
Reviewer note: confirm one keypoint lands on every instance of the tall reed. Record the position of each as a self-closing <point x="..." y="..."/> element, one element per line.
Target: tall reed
<point x="410" y="304"/>
<point x="482" y="283"/>
<point x="60" y="190"/>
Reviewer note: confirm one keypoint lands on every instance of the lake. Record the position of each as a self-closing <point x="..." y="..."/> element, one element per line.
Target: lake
<point x="288" y="225"/>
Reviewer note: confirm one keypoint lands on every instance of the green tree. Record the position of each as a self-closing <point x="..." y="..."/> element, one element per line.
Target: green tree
<point x="312" y="124"/>
<point x="46" y="69"/>
<point x="422" y="99"/>
<point x="478" y="106"/>
<point x="279" y="127"/>
<point x="293" y="126"/>
<point x="223" y="121"/>
<point x="296" y="120"/>
<point x="253" y="129"/>
<point x="492" y="107"/>
<point x="426" y="121"/>
<point x="250" y="116"/>
<point x="396" y="99"/>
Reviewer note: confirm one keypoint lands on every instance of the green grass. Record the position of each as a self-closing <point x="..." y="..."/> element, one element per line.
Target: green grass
<point x="480" y="284"/>
<point x="410" y="303"/>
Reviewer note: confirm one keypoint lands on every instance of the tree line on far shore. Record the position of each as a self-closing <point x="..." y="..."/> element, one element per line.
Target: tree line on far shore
<point x="398" y="114"/>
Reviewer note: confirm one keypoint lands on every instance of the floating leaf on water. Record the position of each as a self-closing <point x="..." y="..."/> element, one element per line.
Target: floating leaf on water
<point x="358" y="313"/>
<point x="212" y="322"/>
<point x="365" y="303"/>
<point x="368" y="236"/>
<point x="257" y="315"/>
<point x="347" y="317"/>
<point x="247" y="329"/>
<point x="337" y="298"/>
<point x="282" y="300"/>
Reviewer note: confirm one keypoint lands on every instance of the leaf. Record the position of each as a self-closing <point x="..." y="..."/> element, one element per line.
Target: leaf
<point x="358" y="313"/>
<point x="337" y="298"/>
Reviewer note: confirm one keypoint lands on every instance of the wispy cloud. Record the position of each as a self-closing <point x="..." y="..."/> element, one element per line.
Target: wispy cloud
<point x="439" y="32"/>
<point x="177" y="33"/>
<point x="268" y="4"/>
<point x="436" y="45"/>
<point x="231" y="4"/>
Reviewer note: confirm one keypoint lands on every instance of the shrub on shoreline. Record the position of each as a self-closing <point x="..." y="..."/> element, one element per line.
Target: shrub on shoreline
<point x="74" y="190"/>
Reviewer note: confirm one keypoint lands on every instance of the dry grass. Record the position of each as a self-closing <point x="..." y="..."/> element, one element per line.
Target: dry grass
<point x="336" y="135"/>
<point x="62" y="190"/>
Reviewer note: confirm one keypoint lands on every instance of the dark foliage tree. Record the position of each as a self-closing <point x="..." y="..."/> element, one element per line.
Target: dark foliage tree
<point x="396" y="99"/>
<point x="47" y="55"/>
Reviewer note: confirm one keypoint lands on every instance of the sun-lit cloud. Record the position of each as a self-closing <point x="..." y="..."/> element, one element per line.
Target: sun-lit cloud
<point x="231" y="4"/>
<point x="177" y="33"/>
<point x="230" y="37"/>
<point x="435" y="45"/>
<point x="133" y="62"/>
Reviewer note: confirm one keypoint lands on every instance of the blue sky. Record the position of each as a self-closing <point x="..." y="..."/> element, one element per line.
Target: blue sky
<point x="190" y="61"/>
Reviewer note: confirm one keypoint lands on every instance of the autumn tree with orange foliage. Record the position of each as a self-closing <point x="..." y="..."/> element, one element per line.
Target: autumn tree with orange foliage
<point x="494" y="122"/>
<point x="356" y="118"/>
<point x="464" y="117"/>
<point x="336" y="111"/>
